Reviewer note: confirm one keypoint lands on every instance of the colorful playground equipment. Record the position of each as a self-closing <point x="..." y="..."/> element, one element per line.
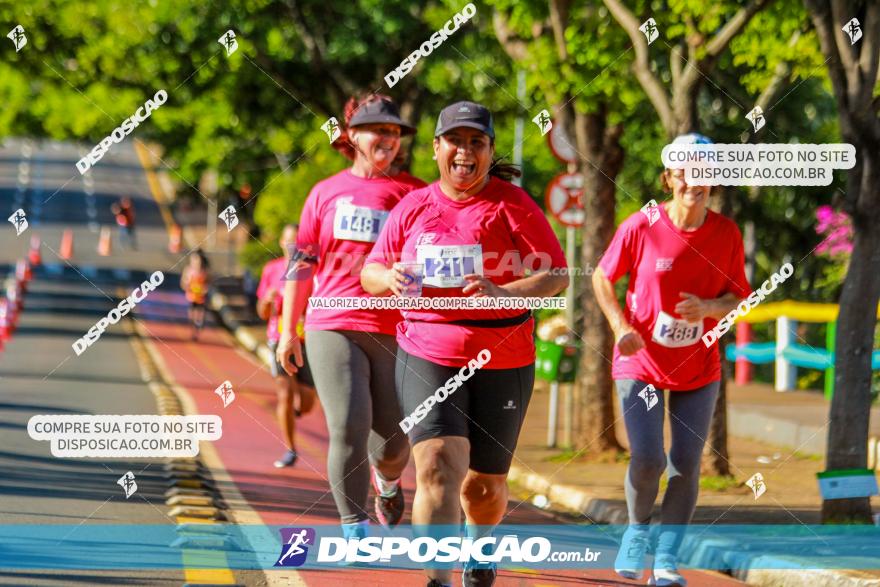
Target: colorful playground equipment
<point x="785" y="351"/>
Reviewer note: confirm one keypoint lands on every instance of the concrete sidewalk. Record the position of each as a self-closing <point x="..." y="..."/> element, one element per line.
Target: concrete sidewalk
<point x="795" y="419"/>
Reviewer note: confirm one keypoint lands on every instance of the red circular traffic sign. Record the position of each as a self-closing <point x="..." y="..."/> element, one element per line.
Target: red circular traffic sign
<point x="560" y="145"/>
<point x="564" y="199"/>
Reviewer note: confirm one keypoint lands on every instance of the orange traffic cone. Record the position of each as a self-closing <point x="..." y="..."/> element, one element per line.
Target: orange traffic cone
<point x="175" y="235"/>
<point x="104" y="243"/>
<point x="23" y="271"/>
<point x="14" y="294"/>
<point x="5" y="320"/>
<point x="34" y="255"/>
<point x="67" y="244"/>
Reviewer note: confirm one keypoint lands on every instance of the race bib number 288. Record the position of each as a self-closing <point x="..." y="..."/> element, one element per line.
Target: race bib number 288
<point x="446" y="266"/>
<point x="356" y="223"/>
<point x="673" y="333"/>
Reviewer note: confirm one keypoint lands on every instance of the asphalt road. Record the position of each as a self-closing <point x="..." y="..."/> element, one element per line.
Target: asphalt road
<point x="41" y="374"/>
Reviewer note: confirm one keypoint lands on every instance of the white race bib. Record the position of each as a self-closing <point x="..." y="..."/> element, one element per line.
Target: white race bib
<point x="356" y="223"/>
<point x="446" y="265"/>
<point x="673" y="333"/>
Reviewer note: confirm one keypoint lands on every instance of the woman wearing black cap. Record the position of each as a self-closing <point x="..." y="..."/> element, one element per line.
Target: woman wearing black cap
<point x="351" y="352"/>
<point x="465" y="377"/>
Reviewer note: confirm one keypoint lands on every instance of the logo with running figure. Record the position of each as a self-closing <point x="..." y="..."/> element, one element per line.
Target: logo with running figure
<point x="651" y="212"/>
<point x="128" y="484"/>
<point x="756" y="482"/>
<point x="853" y="29"/>
<point x="17" y="37"/>
<point x="226" y="393"/>
<point x="229" y="217"/>
<point x="331" y="127"/>
<point x="756" y="117"/>
<point x="229" y="42"/>
<point x="543" y="121"/>
<point x="649" y="27"/>
<point x="19" y="221"/>
<point x="295" y="544"/>
<point x="649" y="394"/>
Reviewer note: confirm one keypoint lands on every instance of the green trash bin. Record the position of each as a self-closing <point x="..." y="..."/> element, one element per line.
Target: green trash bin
<point x="555" y="362"/>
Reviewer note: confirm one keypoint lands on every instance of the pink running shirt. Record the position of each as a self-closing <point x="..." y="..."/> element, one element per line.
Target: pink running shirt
<point x="497" y="233"/>
<point x="273" y="276"/>
<point x="341" y="220"/>
<point x="663" y="261"/>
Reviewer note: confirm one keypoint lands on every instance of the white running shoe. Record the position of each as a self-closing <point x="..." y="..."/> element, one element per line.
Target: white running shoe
<point x="630" y="561"/>
<point x="666" y="572"/>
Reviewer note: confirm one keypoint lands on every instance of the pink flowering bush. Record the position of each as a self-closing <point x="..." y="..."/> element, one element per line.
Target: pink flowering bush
<point x="837" y="229"/>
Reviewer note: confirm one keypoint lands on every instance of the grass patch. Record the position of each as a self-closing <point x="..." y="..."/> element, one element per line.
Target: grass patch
<point x="718" y="483"/>
<point x="588" y="456"/>
<point x="563" y="456"/>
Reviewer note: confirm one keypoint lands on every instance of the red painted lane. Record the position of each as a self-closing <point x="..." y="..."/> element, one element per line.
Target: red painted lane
<point x="300" y="495"/>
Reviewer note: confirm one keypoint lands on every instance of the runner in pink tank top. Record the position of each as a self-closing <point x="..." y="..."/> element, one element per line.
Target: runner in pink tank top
<point x="351" y="351"/>
<point x="465" y="376"/>
<point x="686" y="271"/>
<point x="270" y="294"/>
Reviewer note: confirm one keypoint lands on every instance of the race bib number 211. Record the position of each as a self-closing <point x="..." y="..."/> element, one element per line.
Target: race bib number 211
<point x="446" y="266"/>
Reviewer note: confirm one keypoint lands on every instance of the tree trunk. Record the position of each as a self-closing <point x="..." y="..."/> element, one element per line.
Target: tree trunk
<point x="850" y="413"/>
<point x="600" y="146"/>
<point x="716" y="458"/>
<point x="853" y="72"/>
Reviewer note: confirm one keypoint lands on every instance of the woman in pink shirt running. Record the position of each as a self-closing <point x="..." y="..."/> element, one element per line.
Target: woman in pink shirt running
<point x="269" y="298"/>
<point x="686" y="271"/>
<point x="351" y="351"/>
<point x="465" y="377"/>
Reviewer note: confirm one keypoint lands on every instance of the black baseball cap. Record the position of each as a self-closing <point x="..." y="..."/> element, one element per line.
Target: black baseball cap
<point x="469" y="114"/>
<point x="381" y="111"/>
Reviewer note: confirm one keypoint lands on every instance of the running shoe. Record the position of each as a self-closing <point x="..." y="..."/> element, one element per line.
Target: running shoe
<point x="436" y="583"/>
<point x="357" y="531"/>
<point x="477" y="574"/>
<point x="287" y="460"/>
<point x="666" y="572"/>
<point x="630" y="561"/>
<point x="389" y="509"/>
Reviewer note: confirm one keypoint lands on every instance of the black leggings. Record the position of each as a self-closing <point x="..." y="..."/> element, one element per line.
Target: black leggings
<point x="488" y="409"/>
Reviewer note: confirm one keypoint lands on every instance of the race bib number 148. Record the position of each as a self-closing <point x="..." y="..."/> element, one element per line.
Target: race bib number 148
<point x="355" y="223"/>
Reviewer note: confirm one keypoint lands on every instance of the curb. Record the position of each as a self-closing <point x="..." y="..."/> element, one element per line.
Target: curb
<point x="745" y="565"/>
<point x="218" y="303"/>
<point x="755" y="425"/>
<point x="811" y="578"/>
<point x="597" y="509"/>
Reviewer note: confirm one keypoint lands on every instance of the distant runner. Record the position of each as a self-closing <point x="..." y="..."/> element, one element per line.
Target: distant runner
<point x="194" y="281"/>
<point x="351" y="352"/>
<point x="123" y="212"/>
<point x="270" y="294"/>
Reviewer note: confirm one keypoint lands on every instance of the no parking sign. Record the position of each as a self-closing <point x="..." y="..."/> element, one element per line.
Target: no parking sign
<point x="564" y="199"/>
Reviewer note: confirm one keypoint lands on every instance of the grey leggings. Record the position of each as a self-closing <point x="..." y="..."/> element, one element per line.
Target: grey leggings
<point x="689" y="420"/>
<point x="354" y="377"/>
